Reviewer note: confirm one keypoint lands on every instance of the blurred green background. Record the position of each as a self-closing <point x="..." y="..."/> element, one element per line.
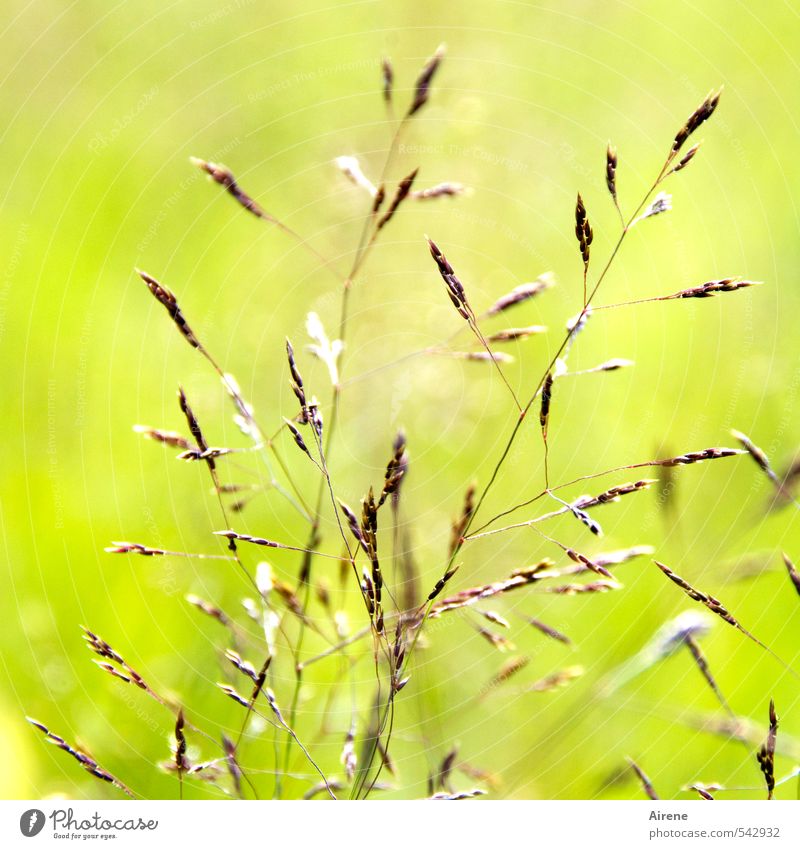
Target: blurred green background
<point x="104" y="103"/>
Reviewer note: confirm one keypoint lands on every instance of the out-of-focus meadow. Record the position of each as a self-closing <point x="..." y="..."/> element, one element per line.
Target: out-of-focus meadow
<point x="103" y="104"/>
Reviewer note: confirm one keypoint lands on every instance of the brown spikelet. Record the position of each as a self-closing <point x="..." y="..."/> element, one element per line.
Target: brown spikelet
<point x="297" y="436"/>
<point x="440" y="584"/>
<point x="403" y="189"/>
<point x="549" y="632"/>
<point x="766" y="754"/>
<point x="181" y="764"/>
<point x="229" y="748"/>
<point x="244" y="666"/>
<point x="794" y="575"/>
<point x="703" y="791"/>
<point x="387" y="80"/>
<point x="759" y="456"/>
<point x="459" y="526"/>
<point x="395" y="469"/>
<point x="583" y="230"/>
<point x="209" y="609"/>
<point x="611" y="172"/>
<point x="520" y="294"/>
<point x="223" y="175"/>
<point x="711" y="288"/>
<point x="445" y="770"/>
<point x="580" y="589"/>
<point x="498" y="641"/>
<point x="686" y="159"/>
<point x="555" y="681"/>
<point x="194" y="427"/>
<point x="297" y="382"/>
<point x="85" y="760"/>
<point x="645" y="781"/>
<point x="698" y="457"/>
<point x="577" y="557"/>
<point x="380" y="197"/>
<point x="122" y="547"/>
<point x="518" y="578"/>
<point x="166" y="437"/>
<point x="547" y="396"/>
<point x="700" y="115"/>
<point x="512" y="334"/>
<point x="170" y="303"/>
<point x="455" y="289"/>
<point x="422" y="86"/>
<point x="479" y="356"/>
<point x="355" y="527"/>
<point x="716" y="607"/>
<point x="510" y="668"/>
<point x="702" y="664"/>
<point x="232" y="693"/>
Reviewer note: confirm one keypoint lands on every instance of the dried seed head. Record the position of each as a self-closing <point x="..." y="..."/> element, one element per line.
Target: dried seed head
<point x="118" y="547"/>
<point x="209" y="609"/>
<point x="387" y="79"/>
<point x="296" y="381"/>
<point x="498" y="641"/>
<point x="510" y="668"/>
<point x="181" y="764"/>
<point x="231" y="693"/>
<point x="460" y="524"/>
<point x="758" y="455"/>
<point x="698" y="457"/>
<point x="512" y="334"/>
<point x="556" y="680"/>
<point x="297" y="436"/>
<point x="440" y="584"/>
<point x="395" y="470"/>
<point x="85" y="760"/>
<point x="521" y="293"/>
<point x="355" y="527"/>
<point x="794" y="575"/>
<point x="547" y="395"/>
<point x="167" y="437"/>
<point x="766" y="755"/>
<point x="700" y="115"/>
<point x="548" y="631"/>
<point x="223" y="175"/>
<point x="421" y="89"/>
<point x="611" y="171"/>
<point x="645" y="781"/>
<point x="583" y="230"/>
<point x="454" y="288"/>
<point x="687" y="158"/>
<point x="194" y="426"/>
<point x="712" y="288"/>
<point x="170" y="303"/>
<point x="403" y="190"/>
<point x="580" y="589"/>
